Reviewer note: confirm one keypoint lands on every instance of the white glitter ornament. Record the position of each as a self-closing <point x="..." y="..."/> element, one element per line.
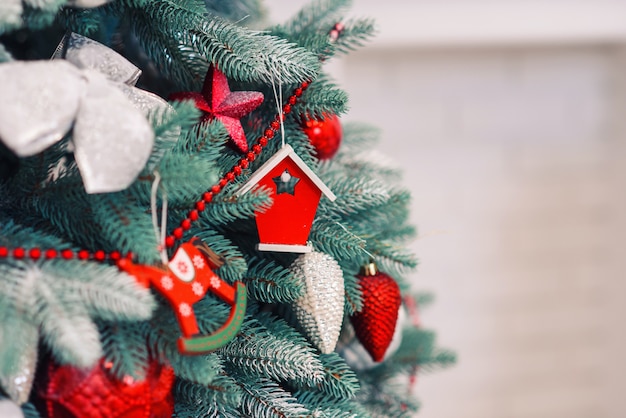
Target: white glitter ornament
<point x="87" y="3"/>
<point x="38" y="104"/>
<point x="320" y="310"/>
<point x="17" y="379"/>
<point x="10" y="410"/>
<point x="40" y="100"/>
<point x="110" y="151"/>
<point x="87" y="54"/>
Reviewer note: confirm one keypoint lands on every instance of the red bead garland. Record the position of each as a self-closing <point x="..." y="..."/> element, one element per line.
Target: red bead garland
<point x="200" y="205"/>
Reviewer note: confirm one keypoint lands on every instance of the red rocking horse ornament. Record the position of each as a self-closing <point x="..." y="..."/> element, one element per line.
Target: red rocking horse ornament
<point x="184" y="281"/>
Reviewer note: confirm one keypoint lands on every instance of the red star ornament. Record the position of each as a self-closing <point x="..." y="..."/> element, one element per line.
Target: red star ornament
<point x="216" y="101"/>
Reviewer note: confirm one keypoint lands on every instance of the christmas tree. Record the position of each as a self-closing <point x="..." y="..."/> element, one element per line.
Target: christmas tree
<point x="186" y="227"/>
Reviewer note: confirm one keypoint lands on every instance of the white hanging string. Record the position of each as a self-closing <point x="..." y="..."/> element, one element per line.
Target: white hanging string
<point x="278" y="97"/>
<point x="160" y="235"/>
<point x="357" y="237"/>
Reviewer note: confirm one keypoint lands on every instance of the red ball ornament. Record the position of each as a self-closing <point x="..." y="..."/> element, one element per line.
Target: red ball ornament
<point x="325" y="135"/>
<point x="72" y="393"/>
<point x="375" y="324"/>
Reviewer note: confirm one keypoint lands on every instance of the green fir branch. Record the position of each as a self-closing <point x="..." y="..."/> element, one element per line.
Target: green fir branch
<point x="184" y="179"/>
<point x="355" y="34"/>
<point x="10" y="15"/>
<point x="323" y="97"/>
<point x="66" y="328"/>
<point x="126" y="227"/>
<point x="267" y="346"/>
<point x="83" y="21"/>
<point x="356" y="136"/>
<point x="229" y="208"/>
<point x="353" y="293"/>
<point x="336" y="240"/>
<point x="240" y="53"/>
<point x="315" y="16"/>
<point x="264" y="398"/>
<point x="353" y="195"/>
<point x="323" y="406"/>
<point x="169" y="123"/>
<point x="29" y="411"/>
<point x="235" y="265"/>
<point x="5" y="56"/>
<point x="269" y="282"/>
<point x="124" y="346"/>
<point x="222" y="392"/>
<point x="340" y="382"/>
<point x="387" y="400"/>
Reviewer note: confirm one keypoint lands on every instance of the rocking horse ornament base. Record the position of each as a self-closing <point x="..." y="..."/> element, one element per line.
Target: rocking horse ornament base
<point x="201" y="343"/>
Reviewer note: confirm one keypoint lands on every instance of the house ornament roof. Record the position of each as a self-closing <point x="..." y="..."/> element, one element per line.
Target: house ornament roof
<point x="273" y="161"/>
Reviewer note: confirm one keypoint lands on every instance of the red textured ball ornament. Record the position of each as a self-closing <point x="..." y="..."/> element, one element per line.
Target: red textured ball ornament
<point x="72" y="392"/>
<point x="325" y="135"/>
<point x="375" y="324"/>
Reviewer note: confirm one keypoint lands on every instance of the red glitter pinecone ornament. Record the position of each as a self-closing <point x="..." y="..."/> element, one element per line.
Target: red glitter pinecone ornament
<point x="72" y="393"/>
<point x="375" y="324"/>
<point x="324" y="134"/>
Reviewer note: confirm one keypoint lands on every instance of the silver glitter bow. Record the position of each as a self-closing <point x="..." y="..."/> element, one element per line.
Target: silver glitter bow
<point x="112" y="137"/>
<point x="41" y="100"/>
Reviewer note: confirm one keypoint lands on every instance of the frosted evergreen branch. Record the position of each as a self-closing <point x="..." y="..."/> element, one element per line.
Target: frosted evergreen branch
<point x="385" y="399"/>
<point x="250" y="10"/>
<point x="353" y="195"/>
<point x="353" y="293"/>
<point x="335" y="239"/>
<point x="323" y="97"/>
<point x="322" y="406"/>
<point x="240" y="53"/>
<point x="124" y="346"/>
<point x="168" y="125"/>
<point x="184" y="178"/>
<point x="105" y="292"/>
<point x="316" y="16"/>
<point x="10" y="15"/>
<point x="64" y="204"/>
<point x="126" y="227"/>
<point x="222" y="391"/>
<point x="354" y="35"/>
<point x="83" y="21"/>
<point x="339" y="382"/>
<point x="269" y="282"/>
<point x="29" y="411"/>
<point x="276" y="351"/>
<point x="5" y="56"/>
<point x="235" y="265"/>
<point x="202" y="370"/>
<point x="229" y="208"/>
<point x="358" y="135"/>
<point x="66" y="328"/>
<point x="264" y="398"/>
<point x="48" y="5"/>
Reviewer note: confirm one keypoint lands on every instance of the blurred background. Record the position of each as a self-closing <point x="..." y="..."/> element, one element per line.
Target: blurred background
<point x="509" y="118"/>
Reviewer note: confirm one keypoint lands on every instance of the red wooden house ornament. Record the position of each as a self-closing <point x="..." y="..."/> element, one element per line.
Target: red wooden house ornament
<point x="295" y="191"/>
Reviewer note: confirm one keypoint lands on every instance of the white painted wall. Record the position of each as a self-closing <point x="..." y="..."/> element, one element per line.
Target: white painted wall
<point x="511" y="133"/>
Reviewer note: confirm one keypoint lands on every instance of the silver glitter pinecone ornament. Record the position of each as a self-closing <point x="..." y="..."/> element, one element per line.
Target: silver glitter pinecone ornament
<point x="320" y="310"/>
<point x="16" y="379"/>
